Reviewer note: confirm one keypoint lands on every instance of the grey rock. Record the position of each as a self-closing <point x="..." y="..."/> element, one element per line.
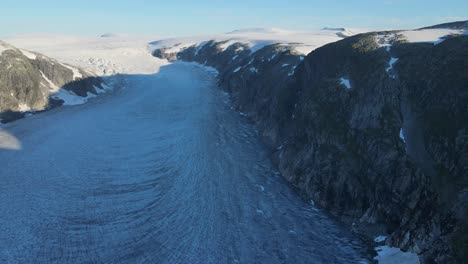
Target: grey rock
<point x="27" y="82"/>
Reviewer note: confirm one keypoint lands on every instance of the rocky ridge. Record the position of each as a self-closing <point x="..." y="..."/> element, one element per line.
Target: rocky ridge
<point x="32" y="82"/>
<point x="373" y="127"/>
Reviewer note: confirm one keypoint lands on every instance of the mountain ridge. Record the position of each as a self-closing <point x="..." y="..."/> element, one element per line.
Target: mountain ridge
<point x="31" y="82"/>
<point x="372" y="128"/>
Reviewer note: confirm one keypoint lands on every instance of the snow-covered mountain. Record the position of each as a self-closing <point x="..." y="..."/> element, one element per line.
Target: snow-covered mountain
<point x="303" y="42"/>
<point x="104" y="56"/>
<point x="30" y="81"/>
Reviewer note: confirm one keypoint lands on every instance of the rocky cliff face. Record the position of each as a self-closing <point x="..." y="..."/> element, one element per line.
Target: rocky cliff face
<point x="374" y="128"/>
<point x="33" y="82"/>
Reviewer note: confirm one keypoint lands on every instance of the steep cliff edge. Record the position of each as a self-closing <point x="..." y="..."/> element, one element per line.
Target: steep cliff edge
<point x="373" y="127"/>
<point x="31" y="82"/>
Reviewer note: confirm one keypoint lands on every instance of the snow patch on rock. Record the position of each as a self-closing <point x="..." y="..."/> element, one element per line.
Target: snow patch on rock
<point x="52" y="85"/>
<point x="390" y="255"/>
<point x="23" y="107"/>
<point x="302" y="41"/>
<point x="345" y="82"/>
<point x="380" y="239"/>
<point x="435" y="36"/>
<point x="101" y="55"/>
<point x="76" y="72"/>
<point x="385" y="41"/>
<point x="390" y="67"/>
<point x="292" y="71"/>
<point x="28" y="54"/>
<point x="402" y="136"/>
<point x="69" y="97"/>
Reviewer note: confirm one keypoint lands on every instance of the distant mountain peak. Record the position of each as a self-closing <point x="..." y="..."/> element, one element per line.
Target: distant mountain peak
<point x="110" y="35"/>
<point x="335" y="29"/>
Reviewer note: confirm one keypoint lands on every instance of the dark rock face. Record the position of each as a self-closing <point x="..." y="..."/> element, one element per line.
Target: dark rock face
<point x="29" y="80"/>
<point x="389" y="151"/>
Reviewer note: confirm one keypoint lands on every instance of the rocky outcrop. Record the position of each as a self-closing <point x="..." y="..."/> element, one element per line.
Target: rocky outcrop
<point x="33" y="82"/>
<point x="373" y="128"/>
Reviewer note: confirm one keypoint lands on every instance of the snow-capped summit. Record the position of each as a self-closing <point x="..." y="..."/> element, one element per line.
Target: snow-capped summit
<point x="114" y="35"/>
<point x="256" y="38"/>
<point x="334" y="29"/>
<point x="344" y="32"/>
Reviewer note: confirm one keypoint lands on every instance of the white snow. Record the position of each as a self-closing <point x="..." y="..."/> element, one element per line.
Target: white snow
<point x="99" y="90"/>
<point x="76" y="72"/>
<point x="200" y="46"/>
<point x="226" y="45"/>
<point x="390" y="255"/>
<point x="103" y="56"/>
<point x="273" y="56"/>
<point x="302" y="41"/>
<point x="180" y="46"/>
<point x="402" y="136"/>
<point x="23" y="107"/>
<point x="285" y="65"/>
<point x="253" y="69"/>
<point x="69" y="97"/>
<point x="291" y="72"/>
<point x="385" y="41"/>
<point x="429" y="35"/>
<point x="28" y="54"/>
<point x="237" y="69"/>
<point x="4" y="46"/>
<point x="390" y="66"/>
<point x="380" y="239"/>
<point x="53" y="86"/>
<point x="345" y="82"/>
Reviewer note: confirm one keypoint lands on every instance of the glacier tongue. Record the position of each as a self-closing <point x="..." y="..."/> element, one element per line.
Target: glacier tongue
<point x="162" y="171"/>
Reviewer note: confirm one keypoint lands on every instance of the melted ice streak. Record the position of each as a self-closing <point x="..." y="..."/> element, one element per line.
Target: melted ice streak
<point x="162" y="171"/>
<point x="255" y="39"/>
<point x="345" y="82"/>
<point x="385" y="41"/>
<point x="402" y="136"/>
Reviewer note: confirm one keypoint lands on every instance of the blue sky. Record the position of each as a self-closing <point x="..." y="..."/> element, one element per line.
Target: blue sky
<point x="178" y="17"/>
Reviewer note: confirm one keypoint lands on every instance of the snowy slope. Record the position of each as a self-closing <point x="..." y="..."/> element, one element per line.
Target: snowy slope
<point x="256" y="38"/>
<point x="112" y="54"/>
<point x="5" y="46"/>
<point x="29" y="79"/>
<point x="435" y="36"/>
